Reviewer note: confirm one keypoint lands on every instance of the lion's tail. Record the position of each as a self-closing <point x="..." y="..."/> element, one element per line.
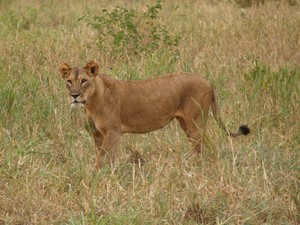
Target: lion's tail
<point x="243" y="129"/>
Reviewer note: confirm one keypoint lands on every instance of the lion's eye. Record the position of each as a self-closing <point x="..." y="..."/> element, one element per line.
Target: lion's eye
<point x="84" y="81"/>
<point x="69" y="82"/>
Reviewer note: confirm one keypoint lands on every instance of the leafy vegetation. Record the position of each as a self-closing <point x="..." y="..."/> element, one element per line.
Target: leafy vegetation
<point x="130" y="33"/>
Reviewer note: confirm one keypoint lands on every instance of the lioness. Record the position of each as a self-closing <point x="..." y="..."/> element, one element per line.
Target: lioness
<point x="114" y="107"/>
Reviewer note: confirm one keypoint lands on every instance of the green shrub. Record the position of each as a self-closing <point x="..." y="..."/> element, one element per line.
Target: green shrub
<point x="128" y="33"/>
<point x="279" y="86"/>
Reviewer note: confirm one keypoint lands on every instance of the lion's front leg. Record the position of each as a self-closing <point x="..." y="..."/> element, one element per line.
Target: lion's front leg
<point x="98" y="138"/>
<point x="106" y="153"/>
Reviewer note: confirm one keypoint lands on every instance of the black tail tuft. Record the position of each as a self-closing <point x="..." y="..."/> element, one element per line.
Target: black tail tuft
<point x="244" y="129"/>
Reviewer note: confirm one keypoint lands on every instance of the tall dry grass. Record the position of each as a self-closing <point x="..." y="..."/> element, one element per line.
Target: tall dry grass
<point x="251" y="55"/>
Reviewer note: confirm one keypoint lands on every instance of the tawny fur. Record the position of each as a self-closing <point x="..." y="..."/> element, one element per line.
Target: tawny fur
<point x="114" y="107"/>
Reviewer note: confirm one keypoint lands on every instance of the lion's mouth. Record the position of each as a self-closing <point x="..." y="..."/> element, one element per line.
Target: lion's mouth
<point x="75" y="102"/>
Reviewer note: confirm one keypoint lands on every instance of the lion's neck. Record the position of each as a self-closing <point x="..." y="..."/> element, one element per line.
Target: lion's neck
<point x="94" y="101"/>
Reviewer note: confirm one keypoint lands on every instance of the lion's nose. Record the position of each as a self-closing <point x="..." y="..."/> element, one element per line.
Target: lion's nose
<point x="75" y="95"/>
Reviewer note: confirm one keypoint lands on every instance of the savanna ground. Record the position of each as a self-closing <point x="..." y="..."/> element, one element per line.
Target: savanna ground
<point x="250" y="54"/>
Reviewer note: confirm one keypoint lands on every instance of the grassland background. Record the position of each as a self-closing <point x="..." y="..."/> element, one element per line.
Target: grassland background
<point x="251" y="55"/>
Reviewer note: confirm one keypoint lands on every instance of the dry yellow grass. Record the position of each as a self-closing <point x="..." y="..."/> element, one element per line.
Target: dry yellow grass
<point x="251" y="55"/>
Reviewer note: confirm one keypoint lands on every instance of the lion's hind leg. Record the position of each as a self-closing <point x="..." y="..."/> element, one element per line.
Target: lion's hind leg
<point x="194" y="129"/>
<point x="195" y="132"/>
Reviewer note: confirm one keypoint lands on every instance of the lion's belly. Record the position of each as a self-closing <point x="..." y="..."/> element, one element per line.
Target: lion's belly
<point x="144" y="125"/>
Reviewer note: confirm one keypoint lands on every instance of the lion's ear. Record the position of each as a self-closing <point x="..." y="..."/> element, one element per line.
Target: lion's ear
<point x="64" y="68"/>
<point x="92" y="67"/>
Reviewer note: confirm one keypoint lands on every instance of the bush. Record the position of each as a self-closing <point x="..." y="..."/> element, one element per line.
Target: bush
<point x="280" y="87"/>
<point x="128" y="33"/>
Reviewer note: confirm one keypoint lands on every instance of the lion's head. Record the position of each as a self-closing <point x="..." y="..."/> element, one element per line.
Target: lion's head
<point x="80" y="81"/>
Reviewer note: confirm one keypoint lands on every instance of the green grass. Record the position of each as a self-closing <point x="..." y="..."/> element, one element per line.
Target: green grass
<point x="251" y="55"/>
